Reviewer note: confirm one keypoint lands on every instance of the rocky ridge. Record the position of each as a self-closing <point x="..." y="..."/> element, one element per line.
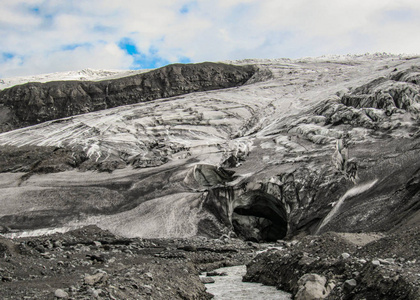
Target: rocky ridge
<point x="33" y="103"/>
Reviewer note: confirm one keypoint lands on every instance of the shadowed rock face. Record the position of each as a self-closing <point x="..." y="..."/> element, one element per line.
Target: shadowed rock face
<point x="33" y="103"/>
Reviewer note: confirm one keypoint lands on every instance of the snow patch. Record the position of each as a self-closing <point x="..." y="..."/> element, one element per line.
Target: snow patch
<point x="358" y="189"/>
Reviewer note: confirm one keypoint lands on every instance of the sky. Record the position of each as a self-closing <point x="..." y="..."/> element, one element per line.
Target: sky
<point x="44" y="36"/>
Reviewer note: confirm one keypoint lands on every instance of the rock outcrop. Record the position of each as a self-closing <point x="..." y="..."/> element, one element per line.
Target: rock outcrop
<point x="312" y="286"/>
<point x="343" y="266"/>
<point x="33" y="103"/>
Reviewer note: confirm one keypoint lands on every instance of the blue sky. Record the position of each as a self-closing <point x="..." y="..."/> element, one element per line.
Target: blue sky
<point x="43" y="36"/>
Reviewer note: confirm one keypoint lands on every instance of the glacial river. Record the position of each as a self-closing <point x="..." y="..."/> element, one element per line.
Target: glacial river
<point x="232" y="287"/>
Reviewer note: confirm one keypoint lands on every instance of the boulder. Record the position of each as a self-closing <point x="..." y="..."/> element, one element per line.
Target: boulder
<point x="349" y="285"/>
<point x="311" y="286"/>
<point x="61" y="294"/>
<point x="345" y="255"/>
<point x="96" y="279"/>
<point x="207" y="280"/>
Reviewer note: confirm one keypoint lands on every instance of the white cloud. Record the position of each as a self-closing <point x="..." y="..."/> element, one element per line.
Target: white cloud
<point x="14" y="19"/>
<point x="102" y="56"/>
<point x="52" y="35"/>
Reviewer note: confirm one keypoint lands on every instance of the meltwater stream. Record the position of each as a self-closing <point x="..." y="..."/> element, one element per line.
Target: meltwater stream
<point x="232" y="287"/>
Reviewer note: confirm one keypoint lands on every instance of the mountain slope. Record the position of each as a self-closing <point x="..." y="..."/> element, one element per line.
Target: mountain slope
<point x="305" y="146"/>
<point x="33" y="103"/>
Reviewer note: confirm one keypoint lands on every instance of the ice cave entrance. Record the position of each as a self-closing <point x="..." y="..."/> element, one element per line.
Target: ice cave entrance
<point x="261" y="217"/>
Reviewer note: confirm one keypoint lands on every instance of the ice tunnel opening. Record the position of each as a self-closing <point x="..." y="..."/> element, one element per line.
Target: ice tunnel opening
<point x="263" y="218"/>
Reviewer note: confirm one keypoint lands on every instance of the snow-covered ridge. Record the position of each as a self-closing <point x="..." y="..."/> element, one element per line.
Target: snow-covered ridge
<point x="323" y="58"/>
<point x="85" y="74"/>
<point x="97" y="75"/>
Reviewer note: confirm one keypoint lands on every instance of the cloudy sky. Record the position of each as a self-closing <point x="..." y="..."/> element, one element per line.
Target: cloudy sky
<point x="42" y="36"/>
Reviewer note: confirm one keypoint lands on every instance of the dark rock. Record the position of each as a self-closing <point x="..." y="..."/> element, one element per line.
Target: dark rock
<point x="350" y="284"/>
<point x="39" y="160"/>
<point x="144" y="162"/>
<point x="207" y="280"/>
<point x="189" y="248"/>
<point x="96" y="258"/>
<point x="215" y="273"/>
<point x="232" y="161"/>
<point x="4" y="229"/>
<point x="6" y="279"/>
<point x="384" y="94"/>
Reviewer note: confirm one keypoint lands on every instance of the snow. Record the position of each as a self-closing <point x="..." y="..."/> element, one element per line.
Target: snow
<point x="85" y="75"/>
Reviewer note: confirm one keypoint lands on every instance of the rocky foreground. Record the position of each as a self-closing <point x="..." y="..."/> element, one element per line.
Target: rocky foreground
<point x="90" y="263"/>
<point x="344" y="266"/>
